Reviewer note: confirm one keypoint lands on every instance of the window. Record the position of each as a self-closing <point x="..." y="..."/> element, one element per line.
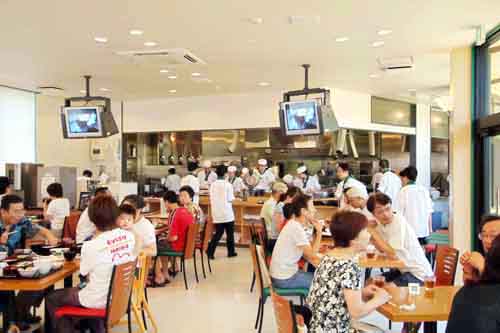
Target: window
<point x="494" y="61"/>
<point x="389" y="112"/>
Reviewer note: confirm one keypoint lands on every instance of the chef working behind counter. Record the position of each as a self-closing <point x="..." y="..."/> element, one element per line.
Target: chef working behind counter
<point x="206" y="176"/>
<point x="307" y="183"/>
<point x="238" y="183"/>
<point x="347" y="181"/>
<point x="265" y="178"/>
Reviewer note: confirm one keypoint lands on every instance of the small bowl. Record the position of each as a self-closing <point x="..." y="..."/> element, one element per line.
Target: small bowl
<point x="29" y="272"/>
<point x="44" y="265"/>
<point x="57" y="265"/>
<point x="3" y="255"/>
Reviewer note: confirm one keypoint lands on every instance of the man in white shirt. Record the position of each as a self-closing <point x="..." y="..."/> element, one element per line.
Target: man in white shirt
<point x="192" y="181"/>
<point x="415" y="204"/>
<point x="265" y="177"/>
<point x="85" y="229"/>
<point x="57" y="210"/>
<point x="307" y="183"/>
<point x="221" y="204"/>
<point x="390" y="183"/>
<point x="173" y="181"/>
<point x="395" y="237"/>
<point x="347" y="181"/>
<point x="142" y="226"/>
<point x="206" y="176"/>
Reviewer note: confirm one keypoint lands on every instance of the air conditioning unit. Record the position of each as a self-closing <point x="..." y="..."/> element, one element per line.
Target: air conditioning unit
<point x="165" y="57"/>
<point x="396" y="65"/>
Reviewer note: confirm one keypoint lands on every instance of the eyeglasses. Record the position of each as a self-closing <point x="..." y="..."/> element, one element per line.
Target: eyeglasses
<point x="484" y="236"/>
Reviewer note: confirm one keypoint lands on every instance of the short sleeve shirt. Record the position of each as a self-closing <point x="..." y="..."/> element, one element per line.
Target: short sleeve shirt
<point x="58" y="209"/>
<point x="22" y="228"/>
<point x="181" y="220"/>
<point x="146" y="230"/>
<point x="221" y="201"/>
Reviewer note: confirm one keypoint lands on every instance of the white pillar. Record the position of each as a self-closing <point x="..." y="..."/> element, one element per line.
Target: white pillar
<point x="423" y="144"/>
<point x="460" y="149"/>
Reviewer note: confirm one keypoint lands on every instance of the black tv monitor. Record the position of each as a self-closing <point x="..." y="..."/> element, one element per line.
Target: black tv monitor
<point x="301" y="118"/>
<point x="87" y="122"/>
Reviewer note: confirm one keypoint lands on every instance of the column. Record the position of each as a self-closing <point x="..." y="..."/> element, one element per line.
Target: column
<point x="423" y="144"/>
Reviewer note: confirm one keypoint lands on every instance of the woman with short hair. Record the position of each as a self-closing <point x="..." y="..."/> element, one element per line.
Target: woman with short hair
<point x="56" y="209"/>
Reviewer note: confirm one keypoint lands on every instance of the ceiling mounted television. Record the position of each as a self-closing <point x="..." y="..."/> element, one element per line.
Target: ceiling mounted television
<point x="301" y="118"/>
<point x="87" y="122"/>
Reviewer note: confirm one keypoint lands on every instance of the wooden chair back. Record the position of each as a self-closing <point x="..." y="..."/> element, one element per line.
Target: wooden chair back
<point x="264" y="238"/>
<point x="264" y="270"/>
<point x="70" y="224"/>
<point x="446" y="265"/>
<point x="256" y="269"/>
<point x="122" y="281"/>
<point x="190" y="244"/>
<point x="141" y="275"/>
<point x="208" y="231"/>
<point x="283" y="314"/>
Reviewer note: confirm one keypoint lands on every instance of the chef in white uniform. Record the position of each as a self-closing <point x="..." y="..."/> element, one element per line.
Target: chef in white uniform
<point x="347" y="181"/>
<point x="238" y="184"/>
<point x="265" y="177"/>
<point x="390" y="183"/>
<point x="288" y="180"/>
<point x="307" y="183"/>
<point x="191" y="180"/>
<point x="415" y="204"/>
<point x="206" y="176"/>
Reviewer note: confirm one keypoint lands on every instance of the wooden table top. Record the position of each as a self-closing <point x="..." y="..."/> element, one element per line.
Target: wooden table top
<point x="428" y="308"/>
<point x="68" y="269"/>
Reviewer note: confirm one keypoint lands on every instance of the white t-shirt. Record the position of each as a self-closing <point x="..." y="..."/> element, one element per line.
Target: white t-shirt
<point x="193" y="182"/>
<point x="267" y="212"/>
<point x="391" y="185"/>
<point x="348" y="183"/>
<point x="221" y="201"/>
<point x="205" y="181"/>
<point x="58" y="209"/>
<point x="286" y="253"/>
<point x="98" y="258"/>
<point x="85" y="228"/>
<point x="173" y="183"/>
<point x="415" y="204"/>
<point x="400" y="235"/>
<point x="146" y="230"/>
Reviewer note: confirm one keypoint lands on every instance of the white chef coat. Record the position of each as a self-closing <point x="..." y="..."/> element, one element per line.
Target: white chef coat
<point x="308" y="185"/>
<point x="415" y="204"/>
<point x="205" y="181"/>
<point x="376" y="179"/>
<point x="348" y="183"/>
<point x="391" y="185"/>
<point x="173" y="183"/>
<point x="194" y="183"/>
<point x="265" y="180"/>
<point x="238" y="184"/>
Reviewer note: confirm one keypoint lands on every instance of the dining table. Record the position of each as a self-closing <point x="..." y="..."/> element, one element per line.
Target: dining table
<point x="427" y="307"/>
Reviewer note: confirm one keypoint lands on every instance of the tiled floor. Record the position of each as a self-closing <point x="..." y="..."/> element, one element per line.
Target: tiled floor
<point x="221" y="303"/>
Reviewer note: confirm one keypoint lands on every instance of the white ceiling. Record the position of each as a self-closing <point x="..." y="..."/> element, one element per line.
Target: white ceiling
<point x="52" y="43"/>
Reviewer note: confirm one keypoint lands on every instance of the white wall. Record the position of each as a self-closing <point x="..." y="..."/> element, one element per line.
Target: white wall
<point x="423" y="146"/>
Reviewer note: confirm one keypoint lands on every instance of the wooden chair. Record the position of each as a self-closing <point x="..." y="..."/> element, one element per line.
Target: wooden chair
<point x="264" y="237"/>
<point x="188" y="253"/>
<point x="70" y="224"/>
<point x="286" y="320"/>
<point x="202" y="245"/>
<point x="446" y="265"/>
<point x="264" y="284"/>
<point x="118" y="301"/>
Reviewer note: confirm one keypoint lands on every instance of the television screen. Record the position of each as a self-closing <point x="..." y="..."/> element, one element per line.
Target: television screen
<point x="83" y="122"/>
<point x="301" y="118"/>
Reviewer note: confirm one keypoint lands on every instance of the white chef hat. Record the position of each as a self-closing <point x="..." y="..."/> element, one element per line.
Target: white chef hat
<point x="207" y="164"/>
<point x="355" y="192"/>
<point x="301" y="169"/>
<point x="244" y="171"/>
<point x="288" y="179"/>
<point x="280" y="187"/>
<point x="231" y="168"/>
<point x="262" y="162"/>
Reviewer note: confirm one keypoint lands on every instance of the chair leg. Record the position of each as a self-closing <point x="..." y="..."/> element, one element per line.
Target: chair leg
<point x="261" y="316"/>
<point x="258" y="314"/>
<point x="195" y="267"/>
<point x="183" y="268"/>
<point x="144" y="321"/>
<point x="151" y="318"/>
<point x="129" y="320"/>
<point x="390" y="324"/>
<point x="253" y="283"/>
<point x="203" y="264"/>
<point x="209" y="266"/>
<point x="137" y="316"/>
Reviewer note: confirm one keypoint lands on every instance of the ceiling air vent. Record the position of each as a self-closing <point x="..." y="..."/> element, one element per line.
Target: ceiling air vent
<point x="164" y="57"/>
<point x="397" y="64"/>
<point x="50" y="90"/>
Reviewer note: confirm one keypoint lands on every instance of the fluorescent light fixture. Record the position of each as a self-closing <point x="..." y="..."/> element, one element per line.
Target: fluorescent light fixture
<point x="83" y="91"/>
<point x="163" y="70"/>
<point x="104" y="89"/>
<point x="101" y="39"/>
<point x="341" y="39"/>
<point x="255" y="20"/>
<point x="195" y="74"/>
<point x="378" y="43"/>
<point x="384" y="32"/>
<point x="172" y="91"/>
<point x="374" y="76"/>
<point x="172" y="77"/>
<point x="264" y="84"/>
<point x="412" y="90"/>
<point x="150" y="44"/>
<point x="136" y="32"/>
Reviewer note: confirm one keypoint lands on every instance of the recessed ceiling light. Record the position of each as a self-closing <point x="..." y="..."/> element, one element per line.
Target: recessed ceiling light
<point x="104" y="89"/>
<point x="378" y="43"/>
<point x="172" y="91"/>
<point x="412" y="90"/>
<point x="218" y="87"/>
<point x="255" y="20"/>
<point x="264" y="84"/>
<point x="150" y="44"/>
<point x="384" y="32"/>
<point x="83" y="91"/>
<point x="172" y="77"/>
<point x="195" y="74"/>
<point x="136" y="32"/>
<point x="101" y="39"/>
<point x="163" y="70"/>
<point x="341" y="39"/>
<point x="373" y="76"/>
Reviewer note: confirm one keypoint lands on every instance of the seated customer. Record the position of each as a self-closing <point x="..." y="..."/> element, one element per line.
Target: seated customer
<point x="395" y="237"/>
<point x="356" y="201"/>
<point x="476" y="307"/>
<point x="292" y="245"/>
<point x="287" y="215"/>
<point x="111" y="246"/>
<point x="186" y="196"/>
<point x="336" y="296"/>
<point x="15" y="228"/>
<point x="85" y="229"/>
<point x="473" y="262"/>
<point x="278" y="218"/>
<point x="57" y="210"/>
<point x="277" y="195"/>
<point x="142" y="226"/>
